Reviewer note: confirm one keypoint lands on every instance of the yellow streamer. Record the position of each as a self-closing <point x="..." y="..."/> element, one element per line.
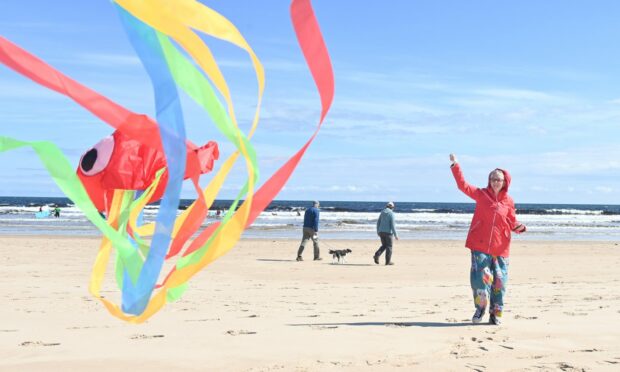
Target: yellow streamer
<point x="160" y="15"/>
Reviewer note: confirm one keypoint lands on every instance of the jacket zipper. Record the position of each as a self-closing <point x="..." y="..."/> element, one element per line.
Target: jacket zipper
<point x="492" y="227"/>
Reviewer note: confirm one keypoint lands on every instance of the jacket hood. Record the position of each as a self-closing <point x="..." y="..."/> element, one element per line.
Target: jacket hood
<point x="507" y="179"/>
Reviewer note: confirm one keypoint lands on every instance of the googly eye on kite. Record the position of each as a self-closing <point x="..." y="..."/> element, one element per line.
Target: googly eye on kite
<point x="97" y="158"/>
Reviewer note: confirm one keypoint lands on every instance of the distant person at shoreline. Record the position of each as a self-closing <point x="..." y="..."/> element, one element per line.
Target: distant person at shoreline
<point x="57" y="212"/>
<point x="489" y="240"/>
<point x="310" y="231"/>
<point x="386" y="229"/>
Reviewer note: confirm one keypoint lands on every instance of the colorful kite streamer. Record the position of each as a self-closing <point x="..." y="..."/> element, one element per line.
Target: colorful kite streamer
<point x="151" y="27"/>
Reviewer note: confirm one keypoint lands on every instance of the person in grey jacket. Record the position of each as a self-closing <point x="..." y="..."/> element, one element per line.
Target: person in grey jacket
<point x="386" y="228"/>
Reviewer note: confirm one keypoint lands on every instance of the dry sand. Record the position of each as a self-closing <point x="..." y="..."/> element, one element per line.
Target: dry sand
<point x="256" y="309"/>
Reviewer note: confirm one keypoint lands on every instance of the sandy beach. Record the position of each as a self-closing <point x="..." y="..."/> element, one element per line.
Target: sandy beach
<point x="256" y="309"/>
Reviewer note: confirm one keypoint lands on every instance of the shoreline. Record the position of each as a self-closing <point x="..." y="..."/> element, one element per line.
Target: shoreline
<point x="256" y="309"/>
<point x="338" y="238"/>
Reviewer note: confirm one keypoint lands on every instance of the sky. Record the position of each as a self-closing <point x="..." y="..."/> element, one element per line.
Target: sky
<point x="528" y="86"/>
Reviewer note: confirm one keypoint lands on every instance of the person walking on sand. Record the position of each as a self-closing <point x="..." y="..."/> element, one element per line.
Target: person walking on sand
<point x="386" y="229"/>
<point x="489" y="240"/>
<point x="310" y="231"/>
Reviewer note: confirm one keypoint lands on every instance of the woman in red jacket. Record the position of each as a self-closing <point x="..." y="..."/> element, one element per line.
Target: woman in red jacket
<point x="489" y="240"/>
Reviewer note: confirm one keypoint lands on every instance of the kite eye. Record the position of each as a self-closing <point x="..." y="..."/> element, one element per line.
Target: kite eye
<point x="96" y="159"/>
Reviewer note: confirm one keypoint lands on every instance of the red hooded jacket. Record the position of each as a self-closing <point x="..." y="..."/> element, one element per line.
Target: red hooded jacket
<point x="494" y="217"/>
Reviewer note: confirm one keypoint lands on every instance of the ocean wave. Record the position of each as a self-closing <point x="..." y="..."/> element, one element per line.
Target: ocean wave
<point x="351" y="222"/>
<point x="565" y="212"/>
<point x="13" y="204"/>
<point x="342" y="219"/>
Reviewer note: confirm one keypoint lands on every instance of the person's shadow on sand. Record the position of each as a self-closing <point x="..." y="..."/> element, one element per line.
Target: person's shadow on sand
<point x="388" y="324"/>
<point x="281" y="260"/>
<point x="274" y="260"/>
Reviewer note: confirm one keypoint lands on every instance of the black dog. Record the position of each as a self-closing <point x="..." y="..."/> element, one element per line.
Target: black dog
<point x="339" y="255"/>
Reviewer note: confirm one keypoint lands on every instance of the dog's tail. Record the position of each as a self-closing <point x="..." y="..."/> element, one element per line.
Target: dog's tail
<point x="331" y="251"/>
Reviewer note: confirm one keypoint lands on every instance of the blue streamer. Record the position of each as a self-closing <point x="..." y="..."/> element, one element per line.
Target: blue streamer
<point x="136" y="296"/>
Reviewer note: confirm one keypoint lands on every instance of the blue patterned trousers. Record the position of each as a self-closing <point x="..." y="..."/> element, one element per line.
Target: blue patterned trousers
<point x="488" y="278"/>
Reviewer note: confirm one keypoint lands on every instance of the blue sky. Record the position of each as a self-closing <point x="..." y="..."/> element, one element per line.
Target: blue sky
<point x="529" y="86"/>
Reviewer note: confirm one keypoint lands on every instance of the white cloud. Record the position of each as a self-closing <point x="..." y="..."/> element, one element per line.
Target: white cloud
<point x="24" y="89"/>
<point x="514" y="94"/>
<point x="346" y="188"/>
<point x="538" y="188"/>
<point x="604" y="189"/>
<point x="272" y="65"/>
<point x="386" y="107"/>
<point x="107" y="59"/>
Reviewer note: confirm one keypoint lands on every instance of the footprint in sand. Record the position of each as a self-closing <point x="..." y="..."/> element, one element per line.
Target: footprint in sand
<point x="323" y="327"/>
<point x="85" y="327"/>
<point x="203" y="320"/>
<point x="239" y="332"/>
<point x="593" y="298"/>
<point x="460" y="350"/>
<point x="585" y="350"/>
<point x="567" y="367"/>
<point x="142" y="336"/>
<point x="334" y="363"/>
<point x="39" y="343"/>
<point x="525" y="317"/>
<point x="476" y="367"/>
<point x="375" y="362"/>
<point x="533" y="357"/>
<point x="571" y="313"/>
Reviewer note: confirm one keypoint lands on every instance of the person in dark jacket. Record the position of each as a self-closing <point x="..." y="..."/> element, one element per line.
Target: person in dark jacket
<point x="488" y="239"/>
<point x="310" y="231"/>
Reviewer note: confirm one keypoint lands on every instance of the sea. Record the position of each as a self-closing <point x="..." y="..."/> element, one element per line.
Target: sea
<point x="283" y="219"/>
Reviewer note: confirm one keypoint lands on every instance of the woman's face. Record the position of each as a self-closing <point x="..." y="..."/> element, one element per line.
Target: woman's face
<point x="496" y="179"/>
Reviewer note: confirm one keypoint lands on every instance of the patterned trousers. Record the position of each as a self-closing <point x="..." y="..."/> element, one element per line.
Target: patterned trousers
<point x="488" y="278"/>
